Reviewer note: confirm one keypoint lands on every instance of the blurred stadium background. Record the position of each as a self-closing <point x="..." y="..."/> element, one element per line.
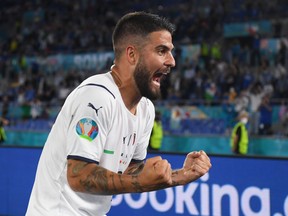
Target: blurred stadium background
<point x="231" y="55"/>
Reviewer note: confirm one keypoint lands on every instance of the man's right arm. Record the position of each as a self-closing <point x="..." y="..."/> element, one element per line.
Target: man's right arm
<point x="94" y="179"/>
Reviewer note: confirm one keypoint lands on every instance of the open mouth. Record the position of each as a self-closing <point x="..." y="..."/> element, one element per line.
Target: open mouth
<point x="158" y="76"/>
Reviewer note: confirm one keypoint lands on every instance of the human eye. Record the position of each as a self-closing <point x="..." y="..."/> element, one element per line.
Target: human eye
<point x="161" y="51"/>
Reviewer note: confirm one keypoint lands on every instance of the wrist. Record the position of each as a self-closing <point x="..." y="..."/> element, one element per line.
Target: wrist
<point x="178" y="177"/>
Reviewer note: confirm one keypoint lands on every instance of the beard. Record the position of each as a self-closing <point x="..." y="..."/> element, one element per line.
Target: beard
<point x="143" y="81"/>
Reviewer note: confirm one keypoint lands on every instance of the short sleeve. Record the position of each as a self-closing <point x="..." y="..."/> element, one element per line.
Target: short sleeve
<point x="90" y="122"/>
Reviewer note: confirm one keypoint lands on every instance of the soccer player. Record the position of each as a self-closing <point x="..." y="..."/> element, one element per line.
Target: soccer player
<point x="97" y="146"/>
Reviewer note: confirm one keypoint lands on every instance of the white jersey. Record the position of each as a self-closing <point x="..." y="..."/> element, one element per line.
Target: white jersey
<point x="94" y="125"/>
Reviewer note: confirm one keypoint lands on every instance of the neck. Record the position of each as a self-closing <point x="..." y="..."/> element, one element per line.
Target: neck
<point x="126" y="87"/>
<point x="115" y="76"/>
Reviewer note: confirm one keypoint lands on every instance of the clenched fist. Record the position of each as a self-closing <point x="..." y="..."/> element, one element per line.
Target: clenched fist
<point x="157" y="172"/>
<point x="195" y="165"/>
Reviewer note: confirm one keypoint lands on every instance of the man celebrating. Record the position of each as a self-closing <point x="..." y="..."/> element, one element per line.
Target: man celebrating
<point x="98" y="143"/>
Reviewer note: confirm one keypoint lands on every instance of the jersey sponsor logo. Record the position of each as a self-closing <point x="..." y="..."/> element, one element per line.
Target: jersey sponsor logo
<point x="92" y="106"/>
<point x="87" y="128"/>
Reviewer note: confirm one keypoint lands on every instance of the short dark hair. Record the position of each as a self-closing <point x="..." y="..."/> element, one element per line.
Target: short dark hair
<point x="138" y="24"/>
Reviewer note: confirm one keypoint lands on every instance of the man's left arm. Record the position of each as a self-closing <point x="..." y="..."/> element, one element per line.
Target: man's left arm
<point x="195" y="165"/>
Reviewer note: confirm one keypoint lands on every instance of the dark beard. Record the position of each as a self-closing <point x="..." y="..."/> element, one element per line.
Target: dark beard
<point x="143" y="81"/>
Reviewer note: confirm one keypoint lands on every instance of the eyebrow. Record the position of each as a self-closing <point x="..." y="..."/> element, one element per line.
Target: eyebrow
<point x="161" y="46"/>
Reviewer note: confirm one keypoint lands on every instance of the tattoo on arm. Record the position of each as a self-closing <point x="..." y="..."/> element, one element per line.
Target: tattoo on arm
<point x="134" y="168"/>
<point x="136" y="184"/>
<point x="97" y="180"/>
<point x="174" y="174"/>
<point x="78" y="167"/>
<point x="121" y="181"/>
<point x="175" y="178"/>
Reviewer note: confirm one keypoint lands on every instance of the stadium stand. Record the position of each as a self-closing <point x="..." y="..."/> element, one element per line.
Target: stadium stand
<point x="226" y="69"/>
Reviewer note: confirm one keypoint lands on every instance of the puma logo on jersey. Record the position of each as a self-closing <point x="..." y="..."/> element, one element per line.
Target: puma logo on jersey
<point x="96" y="110"/>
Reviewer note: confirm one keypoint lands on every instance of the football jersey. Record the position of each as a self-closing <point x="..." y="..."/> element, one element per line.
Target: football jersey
<point x="93" y="125"/>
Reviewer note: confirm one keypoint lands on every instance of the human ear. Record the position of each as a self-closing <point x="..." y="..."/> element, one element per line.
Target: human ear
<point x="131" y="54"/>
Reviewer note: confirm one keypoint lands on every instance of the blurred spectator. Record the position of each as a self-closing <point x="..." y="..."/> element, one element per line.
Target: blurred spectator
<point x="210" y="91"/>
<point x="26" y="111"/>
<point x="255" y="97"/>
<point x="242" y="101"/>
<point x="232" y="95"/>
<point x="197" y="83"/>
<point x="205" y="54"/>
<point x="277" y="28"/>
<point x="4" y="118"/>
<point x="283" y="111"/>
<point x="283" y="119"/>
<point x="281" y="86"/>
<point x="229" y="111"/>
<point x="3" y="123"/>
<point x="265" y="110"/>
<point x="175" y="119"/>
<point x="265" y="73"/>
<point x="230" y="79"/>
<point x="36" y="108"/>
<point x="156" y="137"/>
<point x="239" y="136"/>
<point x="29" y="92"/>
<point x="255" y="54"/>
<point x="216" y="52"/>
<point x="5" y="106"/>
<point x="63" y="91"/>
<point x="282" y="53"/>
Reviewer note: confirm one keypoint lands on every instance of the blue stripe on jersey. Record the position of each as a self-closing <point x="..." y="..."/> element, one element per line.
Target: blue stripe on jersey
<point x="136" y="161"/>
<point x="75" y="157"/>
<point x="98" y="85"/>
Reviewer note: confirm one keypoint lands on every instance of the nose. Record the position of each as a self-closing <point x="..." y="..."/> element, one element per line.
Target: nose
<point x="170" y="61"/>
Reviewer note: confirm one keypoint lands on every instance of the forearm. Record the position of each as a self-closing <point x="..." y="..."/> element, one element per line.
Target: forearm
<point x="196" y="164"/>
<point x="91" y="178"/>
<point x="179" y="178"/>
<point x="175" y="178"/>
